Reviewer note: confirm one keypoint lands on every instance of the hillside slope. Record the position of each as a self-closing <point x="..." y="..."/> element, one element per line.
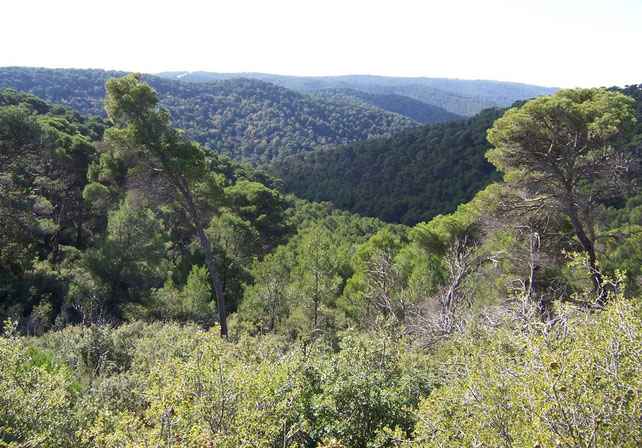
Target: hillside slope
<point x="414" y="109"/>
<point x="407" y="178"/>
<point x="246" y="119"/>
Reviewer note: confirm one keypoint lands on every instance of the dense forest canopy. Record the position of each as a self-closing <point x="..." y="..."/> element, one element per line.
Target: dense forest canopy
<point x="417" y="110"/>
<point x="408" y="178"/>
<point x="514" y="320"/>
<point x="246" y="119"/>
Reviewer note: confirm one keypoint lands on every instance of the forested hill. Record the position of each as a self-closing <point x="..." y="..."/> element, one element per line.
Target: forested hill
<point x="257" y="121"/>
<point x="414" y="175"/>
<point x="407" y="178"/>
<point x="246" y="119"/>
<point x="459" y="96"/>
<point x="416" y="110"/>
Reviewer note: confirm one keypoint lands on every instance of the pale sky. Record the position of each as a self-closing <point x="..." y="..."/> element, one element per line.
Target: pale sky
<point x="563" y="43"/>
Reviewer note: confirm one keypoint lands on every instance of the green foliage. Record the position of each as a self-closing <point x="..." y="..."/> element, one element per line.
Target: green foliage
<point x="224" y="397"/>
<point x="414" y="109"/>
<point x="580" y="123"/>
<point x="131" y="259"/>
<point x="439" y="233"/>
<point x="369" y="386"/>
<point x="267" y="303"/>
<point x="635" y="144"/>
<point x="557" y="153"/>
<point x="197" y="293"/>
<point x="182" y="386"/>
<point x="237" y="243"/>
<point x="575" y="383"/>
<point x="246" y="119"/>
<point x="66" y="243"/>
<point x="193" y="302"/>
<point x="408" y="178"/>
<point x="471" y="328"/>
<point x="235" y="171"/>
<point x="40" y="403"/>
<point x="45" y="151"/>
<point x="178" y="169"/>
<point x="303" y="279"/>
<point x="263" y="207"/>
<point x="623" y="250"/>
<point x="374" y="290"/>
<point x="317" y="282"/>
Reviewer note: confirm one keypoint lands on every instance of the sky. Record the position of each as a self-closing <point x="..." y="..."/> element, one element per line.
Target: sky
<point x="561" y="43"/>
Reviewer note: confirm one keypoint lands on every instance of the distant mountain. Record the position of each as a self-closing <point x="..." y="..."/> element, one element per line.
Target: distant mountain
<point x="247" y="119"/>
<point x="407" y="178"/>
<point x="459" y="96"/>
<point x="403" y="105"/>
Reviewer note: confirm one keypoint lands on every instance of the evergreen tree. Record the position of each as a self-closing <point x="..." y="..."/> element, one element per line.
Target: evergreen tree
<point x="180" y="168"/>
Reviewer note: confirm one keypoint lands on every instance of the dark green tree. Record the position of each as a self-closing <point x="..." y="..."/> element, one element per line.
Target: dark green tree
<point x="236" y="244"/>
<point x="261" y="206"/>
<point x="22" y="147"/>
<point x="131" y="258"/>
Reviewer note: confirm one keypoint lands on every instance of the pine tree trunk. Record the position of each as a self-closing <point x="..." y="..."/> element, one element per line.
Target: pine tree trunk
<point x="589" y="247"/>
<point x="209" y="259"/>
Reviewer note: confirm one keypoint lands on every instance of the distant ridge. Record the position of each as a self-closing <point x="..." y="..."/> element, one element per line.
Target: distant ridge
<point x="458" y="96"/>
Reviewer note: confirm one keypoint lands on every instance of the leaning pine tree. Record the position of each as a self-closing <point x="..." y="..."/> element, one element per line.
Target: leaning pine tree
<point x="161" y="155"/>
<point x="559" y="151"/>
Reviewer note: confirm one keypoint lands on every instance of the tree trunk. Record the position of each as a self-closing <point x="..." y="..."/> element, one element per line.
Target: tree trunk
<point x="56" y="235"/>
<point x="316" y="299"/>
<point x="589" y="247"/>
<point x="218" y="289"/>
<point x="81" y="217"/>
<point x="209" y="259"/>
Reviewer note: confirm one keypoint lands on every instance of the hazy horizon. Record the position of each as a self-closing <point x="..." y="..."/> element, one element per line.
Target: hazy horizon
<point x="162" y="72"/>
<point x="557" y="43"/>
